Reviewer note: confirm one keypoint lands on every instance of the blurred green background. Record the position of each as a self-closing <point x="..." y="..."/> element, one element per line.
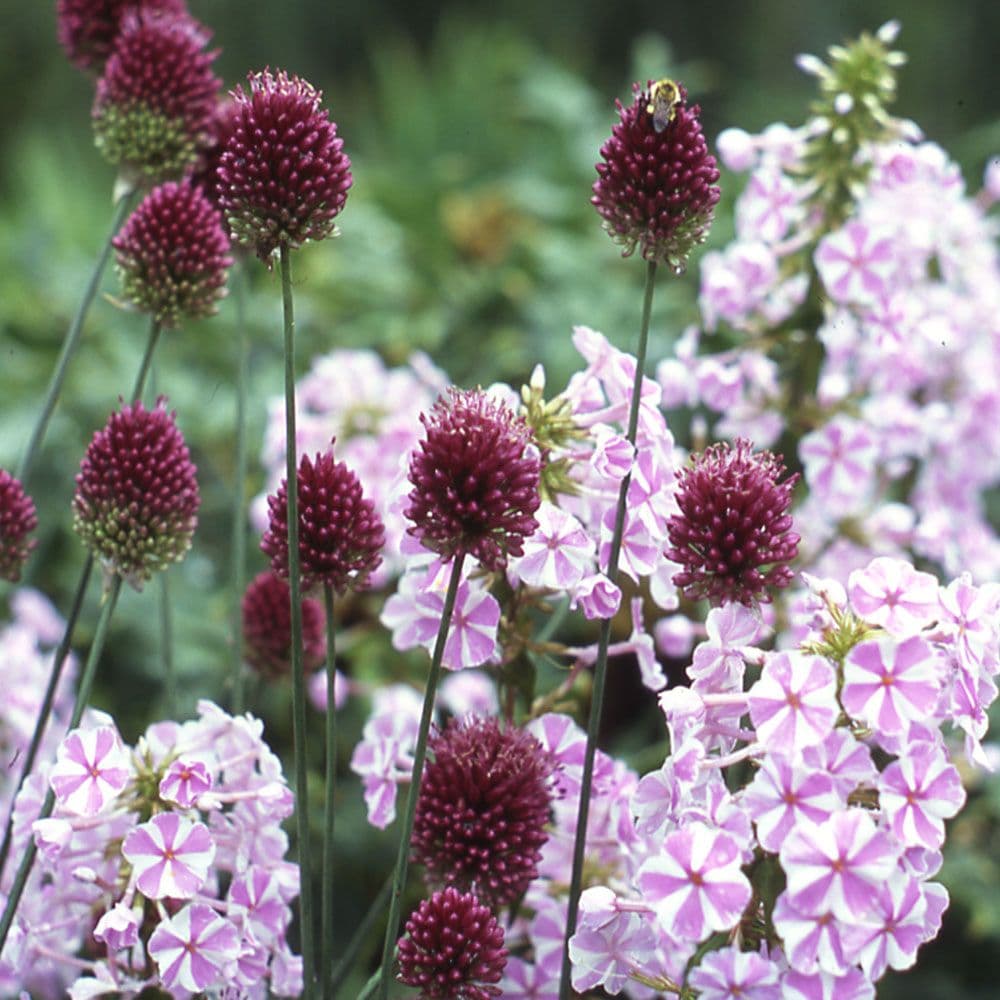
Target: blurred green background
<point x="473" y="131"/>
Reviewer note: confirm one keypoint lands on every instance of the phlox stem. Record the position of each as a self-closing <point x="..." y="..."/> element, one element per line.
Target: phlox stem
<point x="329" y="810"/>
<point x="239" y="541"/>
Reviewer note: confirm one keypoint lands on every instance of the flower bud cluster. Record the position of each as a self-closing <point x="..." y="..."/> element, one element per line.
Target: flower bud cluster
<point x="167" y="858"/>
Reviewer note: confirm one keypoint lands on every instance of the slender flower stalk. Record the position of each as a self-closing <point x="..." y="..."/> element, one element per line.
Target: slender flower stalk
<point x="298" y="670"/>
<point x="419" y="754"/>
<point x="604" y="639"/>
<point x="71" y="342"/>
<point x="239" y="540"/>
<point x="329" y="810"/>
<point x="82" y="699"/>
<point x="62" y="652"/>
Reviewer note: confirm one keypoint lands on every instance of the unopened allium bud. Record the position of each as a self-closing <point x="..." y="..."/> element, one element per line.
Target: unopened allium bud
<point x="733" y="533"/>
<point x="656" y="189"/>
<point x="155" y="100"/>
<point x="136" y="499"/>
<point x="267" y="627"/>
<point x="17" y="521"/>
<point x="475" y="479"/>
<point x="87" y="29"/>
<point x="340" y="534"/>
<point x="453" y="949"/>
<point x="485" y="799"/>
<point x="283" y="176"/>
<point x="172" y="254"/>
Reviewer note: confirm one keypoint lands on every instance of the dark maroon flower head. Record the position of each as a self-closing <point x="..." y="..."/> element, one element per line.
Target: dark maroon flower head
<point x="475" y="479"/>
<point x="656" y="189"/>
<point x="206" y="169"/>
<point x="87" y="29"/>
<point x="17" y="521"/>
<point x="733" y="533"/>
<point x="172" y="254"/>
<point x="453" y="949"/>
<point x="485" y="799"/>
<point x="267" y="627"/>
<point x="136" y="500"/>
<point x="283" y="176"/>
<point x="340" y="534"/>
<point x="156" y="98"/>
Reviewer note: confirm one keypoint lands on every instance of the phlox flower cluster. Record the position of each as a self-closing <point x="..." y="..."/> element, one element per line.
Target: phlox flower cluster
<point x="163" y="864"/>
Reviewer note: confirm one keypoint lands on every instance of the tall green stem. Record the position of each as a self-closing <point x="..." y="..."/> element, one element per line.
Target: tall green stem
<point x="403" y="857"/>
<point x="240" y="512"/>
<point x="298" y="673"/>
<point x="326" y="940"/>
<point x="61" y="654"/>
<point x="604" y="640"/>
<point x="82" y="698"/>
<point x="70" y="343"/>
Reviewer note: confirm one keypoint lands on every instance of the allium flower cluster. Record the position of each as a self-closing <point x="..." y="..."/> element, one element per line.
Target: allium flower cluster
<point x="136" y="499"/>
<point x="157" y="95"/>
<point x="485" y="799"/>
<point x="267" y="627"/>
<point x="283" y="176"/>
<point x="733" y="531"/>
<point x="474" y="480"/>
<point x="87" y="29"/>
<point x="656" y="189"/>
<point x="17" y="521"/>
<point x="172" y="255"/>
<point x="170" y="855"/>
<point x="340" y="534"/>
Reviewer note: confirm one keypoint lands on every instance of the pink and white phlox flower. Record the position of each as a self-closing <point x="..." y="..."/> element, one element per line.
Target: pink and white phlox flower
<point x="811" y="941"/>
<point x="893" y="930"/>
<point x="184" y="781"/>
<point x="605" y="954"/>
<point x="889" y="684"/>
<point x="170" y="856"/>
<point x="768" y="206"/>
<point x="612" y="456"/>
<point x="891" y="593"/>
<point x="528" y="981"/>
<point x="195" y="948"/>
<point x="847" y="761"/>
<point x="856" y="263"/>
<point x="835" y="865"/>
<point x="794" y="704"/>
<point x="735" y="282"/>
<point x="469" y="692"/>
<point x="821" y="985"/>
<point x="840" y="461"/>
<point x="561" y="737"/>
<point x="782" y="795"/>
<point x="917" y="793"/>
<point x="731" y="974"/>
<point x="969" y="618"/>
<point x="118" y="927"/>
<point x="641" y="551"/>
<point x="91" y="768"/>
<point x="596" y="596"/>
<point x="717" y="664"/>
<point x="684" y="711"/>
<point x="695" y="884"/>
<point x="559" y="553"/>
<point x="255" y="896"/>
<point x="644" y="649"/>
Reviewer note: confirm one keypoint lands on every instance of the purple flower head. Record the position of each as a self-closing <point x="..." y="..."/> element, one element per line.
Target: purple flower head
<point x="172" y="254"/>
<point x="283" y="176"/>
<point x="340" y="534"/>
<point x="656" y="189"/>
<point x="485" y="799"/>
<point x="453" y="949"/>
<point x="17" y="521"/>
<point x="267" y="627"/>
<point x="136" y="499"/>
<point x="475" y="480"/>
<point x="87" y="29"/>
<point x="194" y="949"/>
<point x="733" y="533"/>
<point x="157" y="95"/>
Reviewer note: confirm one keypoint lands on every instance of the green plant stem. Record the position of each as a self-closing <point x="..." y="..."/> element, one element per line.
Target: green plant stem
<point x="62" y="653"/>
<point x="329" y="810"/>
<point x="307" y="929"/>
<point x="240" y="512"/>
<point x="45" y="710"/>
<point x="82" y="698"/>
<point x="354" y="946"/>
<point x="70" y="344"/>
<point x="604" y="640"/>
<point x="403" y="857"/>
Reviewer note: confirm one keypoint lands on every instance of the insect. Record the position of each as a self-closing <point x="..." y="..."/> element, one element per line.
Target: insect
<point x="664" y="96"/>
